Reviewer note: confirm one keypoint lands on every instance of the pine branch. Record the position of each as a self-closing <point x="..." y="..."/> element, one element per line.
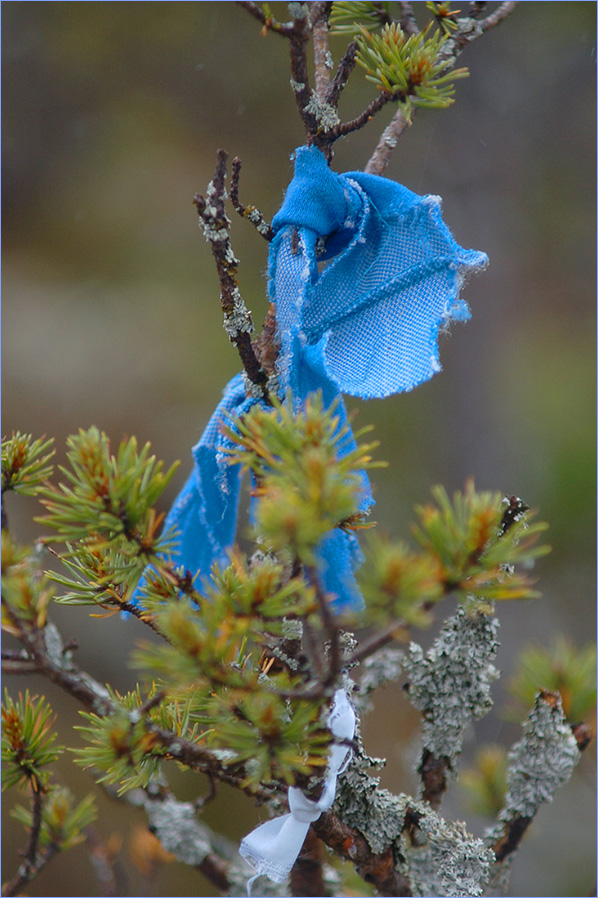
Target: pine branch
<point x="175" y="825"/>
<point x="467" y="30"/>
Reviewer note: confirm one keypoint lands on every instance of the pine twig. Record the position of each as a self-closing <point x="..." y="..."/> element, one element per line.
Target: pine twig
<point x="345" y="67"/>
<point x="237" y="319"/>
<point x="330" y="628"/>
<point x="408" y="20"/>
<point x="249" y="213"/>
<point x="319" y="13"/>
<point x="387" y="143"/>
<point x="299" y="39"/>
<point x="34" y="861"/>
<point x="344" y="128"/>
<point x="499" y="15"/>
<point x="269" y="23"/>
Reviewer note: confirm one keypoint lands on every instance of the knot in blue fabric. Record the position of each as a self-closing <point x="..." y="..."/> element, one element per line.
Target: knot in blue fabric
<point x="363" y="274"/>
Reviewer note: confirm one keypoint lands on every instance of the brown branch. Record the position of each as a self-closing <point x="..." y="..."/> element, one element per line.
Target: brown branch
<point x="198" y="758"/>
<point x="345" y="67"/>
<point x="237" y="320"/>
<point x="511" y="837"/>
<point x="307" y="877"/>
<point x="14" y="886"/>
<point x="408" y="21"/>
<point x="387" y="143"/>
<point x="17" y="662"/>
<point x="498" y="16"/>
<point x="477" y="9"/>
<point x="377" y="869"/>
<point x="219" y="865"/>
<point x="331" y="629"/>
<point x="377" y="641"/>
<point x="269" y="22"/>
<point x="299" y="72"/>
<point x="583" y="735"/>
<point x="433" y="772"/>
<point x="344" y="128"/>
<point x="57" y="669"/>
<point x="249" y="213"/>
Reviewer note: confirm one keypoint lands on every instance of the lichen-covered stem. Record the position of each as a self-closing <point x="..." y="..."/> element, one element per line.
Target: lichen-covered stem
<point x="299" y="40"/>
<point x="250" y="213"/>
<point x="450" y="686"/>
<point x="237" y="318"/>
<point x="345" y="67"/>
<point x="539" y="764"/>
<point x="387" y="143"/>
<point x="344" y="128"/>
<point x="322" y="61"/>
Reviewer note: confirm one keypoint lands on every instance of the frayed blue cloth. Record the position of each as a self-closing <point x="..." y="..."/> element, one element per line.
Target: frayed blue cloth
<point x="363" y="273"/>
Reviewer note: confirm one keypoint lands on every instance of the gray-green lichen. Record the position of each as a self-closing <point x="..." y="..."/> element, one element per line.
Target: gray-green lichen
<point x="468" y="29"/>
<point x="238" y="319"/>
<point x="451" y="862"/>
<point x="325" y="115"/>
<point x="298" y="10"/>
<point x="543" y="759"/>
<point x="179" y="830"/>
<point x="380" y="668"/>
<point x="450" y="684"/>
<point x="361" y="803"/>
<point x="443" y="859"/>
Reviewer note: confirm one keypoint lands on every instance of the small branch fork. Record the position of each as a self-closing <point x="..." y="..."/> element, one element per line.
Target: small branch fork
<point x="237" y="319"/>
<point x="318" y="107"/>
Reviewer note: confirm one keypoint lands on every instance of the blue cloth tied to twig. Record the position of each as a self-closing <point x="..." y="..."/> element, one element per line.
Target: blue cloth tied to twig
<point x="364" y="273"/>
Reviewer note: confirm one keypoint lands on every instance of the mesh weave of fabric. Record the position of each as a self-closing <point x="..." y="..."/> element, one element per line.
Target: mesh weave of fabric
<point x="364" y="274"/>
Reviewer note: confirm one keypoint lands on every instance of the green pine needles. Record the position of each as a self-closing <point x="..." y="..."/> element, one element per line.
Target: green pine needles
<point x="411" y="68"/>
<point x="217" y="680"/>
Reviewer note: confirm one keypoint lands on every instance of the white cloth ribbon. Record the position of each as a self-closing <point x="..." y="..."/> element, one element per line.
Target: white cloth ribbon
<point x="273" y="847"/>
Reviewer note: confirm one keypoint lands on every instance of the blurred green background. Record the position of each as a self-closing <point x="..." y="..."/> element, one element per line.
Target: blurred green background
<point x="112" y="115"/>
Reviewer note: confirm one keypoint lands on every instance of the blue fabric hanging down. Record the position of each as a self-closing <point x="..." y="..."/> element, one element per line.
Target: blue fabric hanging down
<point x="364" y="273"/>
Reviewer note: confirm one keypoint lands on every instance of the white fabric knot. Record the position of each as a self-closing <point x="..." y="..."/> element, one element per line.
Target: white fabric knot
<point x="273" y="847"/>
<point x="302" y="809"/>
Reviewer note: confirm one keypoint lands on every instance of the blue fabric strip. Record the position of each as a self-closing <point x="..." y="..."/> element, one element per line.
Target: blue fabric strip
<point x="364" y="273"/>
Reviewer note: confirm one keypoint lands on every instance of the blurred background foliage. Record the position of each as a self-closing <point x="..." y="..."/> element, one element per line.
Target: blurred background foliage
<point x="112" y="115"/>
